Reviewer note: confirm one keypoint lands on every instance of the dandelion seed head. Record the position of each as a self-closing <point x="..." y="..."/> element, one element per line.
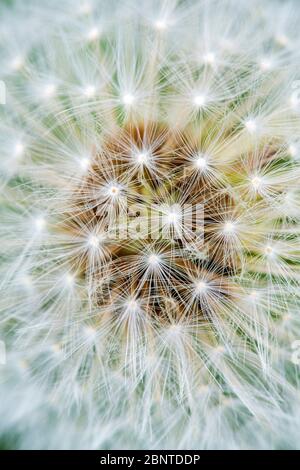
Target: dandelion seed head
<point x="120" y="297"/>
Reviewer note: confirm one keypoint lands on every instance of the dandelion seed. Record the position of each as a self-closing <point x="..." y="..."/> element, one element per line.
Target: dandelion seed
<point x="93" y="34"/>
<point x="113" y="190"/>
<point x="173" y="215"/>
<point x="270" y="251"/>
<point x="85" y="9"/>
<point x="19" y="149"/>
<point x="132" y="306"/>
<point x="84" y="163"/>
<point x="229" y="228"/>
<point x="40" y="224"/>
<point x="56" y="348"/>
<point x="293" y="151"/>
<point x="128" y="99"/>
<point x="199" y="100"/>
<point x="257" y="182"/>
<point x="89" y="91"/>
<point x="49" y="90"/>
<point x="251" y="125"/>
<point x="17" y="63"/>
<point x="209" y="58"/>
<point x="201" y="287"/>
<point x="294" y="101"/>
<point x="282" y="40"/>
<point x="89" y="332"/>
<point x="266" y="64"/>
<point x="161" y="25"/>
<point x="254" y="296"/>
<point x="26" y="281"/>
<point x="142" y="158"/>
<point x="69" y="279"/>
<point x="93" y="241"/>
<point x="201" y="162"/>
<point x="154" y="260"/>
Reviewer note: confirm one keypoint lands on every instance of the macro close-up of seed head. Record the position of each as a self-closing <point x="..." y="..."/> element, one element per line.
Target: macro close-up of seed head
<point x="149" y="224"/>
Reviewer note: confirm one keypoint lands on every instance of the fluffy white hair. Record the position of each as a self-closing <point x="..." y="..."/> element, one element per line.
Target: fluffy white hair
<point x="140" y="343"/>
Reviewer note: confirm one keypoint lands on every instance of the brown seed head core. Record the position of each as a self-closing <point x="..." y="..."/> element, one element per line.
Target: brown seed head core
<point x="134" y="250"/>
